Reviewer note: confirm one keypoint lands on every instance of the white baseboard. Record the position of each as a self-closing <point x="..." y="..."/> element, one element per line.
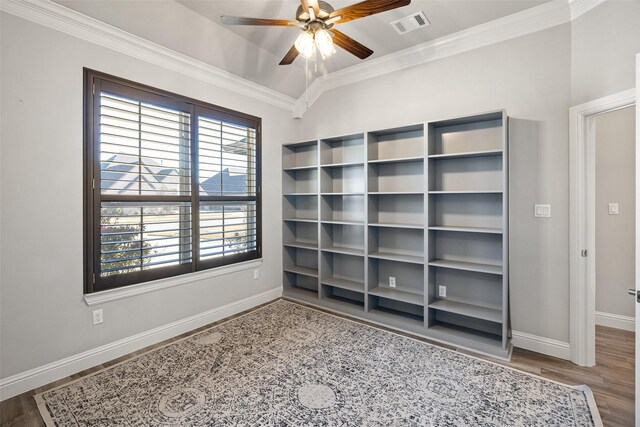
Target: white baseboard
<point x="542" y="345"/>
<point x="37" y="377"/>
<point x="617" y="321"/>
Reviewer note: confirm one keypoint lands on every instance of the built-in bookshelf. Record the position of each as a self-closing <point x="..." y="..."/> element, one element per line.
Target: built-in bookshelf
<point x="375" y="223"/>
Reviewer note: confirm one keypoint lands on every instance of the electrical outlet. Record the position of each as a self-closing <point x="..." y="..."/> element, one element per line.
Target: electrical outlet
<point x="392" y="282"/>
<point x="256" y="274"/>
<point x="98" y="317"/>
<point x="614" y="209"/>
<point x="442" y="291"/>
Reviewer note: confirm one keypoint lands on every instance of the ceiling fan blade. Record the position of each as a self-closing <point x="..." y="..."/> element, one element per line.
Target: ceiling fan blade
<point x="239" y="20"/>
<point x="367" y="8"/>
<point x="306" y="4"/>
<point x="290" y="56"/>
<point x="350" y="45"/>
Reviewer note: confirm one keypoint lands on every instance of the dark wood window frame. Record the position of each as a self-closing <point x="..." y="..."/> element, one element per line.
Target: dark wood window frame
<point x="94" y="82"/>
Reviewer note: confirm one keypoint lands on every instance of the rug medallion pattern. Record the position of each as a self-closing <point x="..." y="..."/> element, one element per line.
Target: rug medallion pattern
<point x="288" y="365"/>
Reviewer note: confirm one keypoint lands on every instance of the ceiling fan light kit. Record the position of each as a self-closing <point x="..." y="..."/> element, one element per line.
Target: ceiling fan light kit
<point x="316" y="20"/>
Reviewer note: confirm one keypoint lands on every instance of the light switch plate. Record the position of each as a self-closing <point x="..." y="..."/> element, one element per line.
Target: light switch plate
<point x="614" y="209"/>
<point x="542" y="211"/>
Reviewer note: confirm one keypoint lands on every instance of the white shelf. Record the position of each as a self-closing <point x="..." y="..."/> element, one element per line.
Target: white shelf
<point x="396" y="225"/>
<point x="350" y="285"/>
<point x="300" y="194"/>
<point x="342" y="222"/>
<point x="491" y="314"/>
<point x="300" y="168"/>
<point x="467" y="154"/>
<point x="299" y="220"/>
<point x="343" y="250"/>
<point x="399" y="160"/>
<point x="466" y="266"/>
<point x="342" y="165"/>
<point x="397" y="257"/>
<point x="467" y="192"/>
<point x="398" y="294"/>
<point x="408" y="193"/>
<point x="466" y="229"/>
<point x="301" y="245"/>
<point x="305" y="271"/>
<point x="343" y="194"/>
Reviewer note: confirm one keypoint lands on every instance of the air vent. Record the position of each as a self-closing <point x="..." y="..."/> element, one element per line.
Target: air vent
<point x="410" y="23"/>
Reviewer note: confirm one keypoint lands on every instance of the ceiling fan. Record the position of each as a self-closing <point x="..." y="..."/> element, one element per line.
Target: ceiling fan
<point x="316" y="20"/>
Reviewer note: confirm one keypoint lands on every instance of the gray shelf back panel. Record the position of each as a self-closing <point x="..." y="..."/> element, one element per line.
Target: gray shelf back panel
<point x="300" y="155"/>
<point x="350" y="285"/>
<point x="345" y="296"/>
<point x="396" y="143"/>
<point x="396" y="208"/>
<point x="300" y="181"/>
<point x="474" y="287"/>
<point x="464" y="308"/>
<point x="300" y="207"/>
<point x="297" y="257"/>
<point x="470" y="323"/>
<point x="342" y="236"/>
<point x="300" y="232"/>
<point x="396" y="310"/>
<point x="466" y="174"/>
<point x="409" y="276"/>
<point x="294" y="282"/>
<point x="342" y="207"/>
<point x="347" y="179"/>
<point x="480" y="248"/>
<point x="342" y="266"/>
<point x="398" y="241"/>
<point x="469" y="134"/>
<point x="401" y="177"/>
<point x="345" y="149"/>
<point x="466" y="210"/>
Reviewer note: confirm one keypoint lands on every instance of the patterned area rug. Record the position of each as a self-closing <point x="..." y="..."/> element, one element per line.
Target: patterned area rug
<point x="288" y="365"/>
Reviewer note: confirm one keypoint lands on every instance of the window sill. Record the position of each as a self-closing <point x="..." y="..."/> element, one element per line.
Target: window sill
<point x="170" y="282"/>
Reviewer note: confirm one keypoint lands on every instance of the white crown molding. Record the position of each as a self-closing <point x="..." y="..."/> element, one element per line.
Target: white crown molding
<point x="58" y="17"/>
<point x="580" y="7"/>
<point x="528" y="21"/>
<point x="53" y="15"/>
<point x="46" y="374"/>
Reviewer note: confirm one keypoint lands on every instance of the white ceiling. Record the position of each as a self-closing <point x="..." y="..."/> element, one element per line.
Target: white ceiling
<point x="254" y="52"/>
<point x="375" y="32"/>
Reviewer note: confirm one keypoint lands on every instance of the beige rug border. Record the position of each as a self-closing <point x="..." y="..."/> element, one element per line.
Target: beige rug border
<point x="595" y="413"/>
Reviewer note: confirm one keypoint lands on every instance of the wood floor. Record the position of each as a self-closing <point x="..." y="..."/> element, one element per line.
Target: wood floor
<point x="612" y="379"/>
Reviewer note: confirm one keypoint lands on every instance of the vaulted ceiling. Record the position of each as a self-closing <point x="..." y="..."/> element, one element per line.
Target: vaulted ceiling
<point x="193" y="28"/>
<point x="446" y="17"/>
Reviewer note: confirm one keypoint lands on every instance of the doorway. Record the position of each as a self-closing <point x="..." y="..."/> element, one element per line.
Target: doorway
<point x="583" y="253"/>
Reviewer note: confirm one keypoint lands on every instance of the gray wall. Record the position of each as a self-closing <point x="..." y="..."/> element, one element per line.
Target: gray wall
<point x="530" y="78"/>
<point x="615" y="234"/>
<point x="43" y="315"/>
<point x="536" y="78"/>
<point x="605" y="42"/>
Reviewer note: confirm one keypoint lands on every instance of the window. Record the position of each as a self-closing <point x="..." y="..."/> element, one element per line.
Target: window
<point x="172" y="185"/>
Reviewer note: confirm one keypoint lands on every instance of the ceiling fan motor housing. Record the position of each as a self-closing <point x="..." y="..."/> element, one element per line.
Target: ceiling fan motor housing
<point x="325" y="10"/>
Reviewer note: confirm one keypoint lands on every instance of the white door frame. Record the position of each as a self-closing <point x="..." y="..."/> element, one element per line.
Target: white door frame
<point x="582" y="225"/>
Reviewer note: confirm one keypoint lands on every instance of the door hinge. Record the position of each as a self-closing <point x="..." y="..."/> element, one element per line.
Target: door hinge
<point x="584" y="253"/>
<point x="93" y="88"/>
<point x="93" y="183"/>
<point x="94" y="278"/>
